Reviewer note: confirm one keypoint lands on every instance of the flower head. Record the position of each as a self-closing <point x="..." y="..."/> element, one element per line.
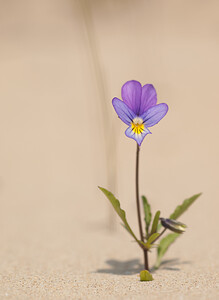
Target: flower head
<point x="139" y="109"/>
<point x="173" y="225"/>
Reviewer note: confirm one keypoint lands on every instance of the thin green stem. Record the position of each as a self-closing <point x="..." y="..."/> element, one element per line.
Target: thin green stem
<point x="138" y="208"/>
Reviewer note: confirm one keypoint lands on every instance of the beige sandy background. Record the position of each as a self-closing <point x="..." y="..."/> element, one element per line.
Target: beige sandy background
<point x="61" y="63"/>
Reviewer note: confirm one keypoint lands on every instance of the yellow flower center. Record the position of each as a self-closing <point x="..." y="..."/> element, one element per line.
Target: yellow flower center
<point x="137" y="125"/>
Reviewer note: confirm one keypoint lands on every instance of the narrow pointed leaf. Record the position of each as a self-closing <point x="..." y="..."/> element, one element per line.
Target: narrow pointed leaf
<point x="183" y="207"/>
<point x="151" y="240"/>
<point x="155" y="222"/>
<point x="116" y="204"/>
<point x="164" y="245"/>
<point x="180" y="209"/>
<point x="123" y="225"/>
<point x="147" y="213"/>
<point x="170" y="238"/>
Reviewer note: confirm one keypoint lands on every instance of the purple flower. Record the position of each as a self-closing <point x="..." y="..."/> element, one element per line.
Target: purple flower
<point x="139" y="109"/>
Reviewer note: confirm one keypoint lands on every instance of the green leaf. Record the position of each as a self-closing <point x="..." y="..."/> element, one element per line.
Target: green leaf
<point x="147" y="213"/>
<point x="170" y="238"/>
<point x="115" y="203"/>
<point x="183" y="207"/>
<point x="146" y="276"/>
<point x="155" y="222"/>
<point x="123" y="225"/>
<point x="180" y="209"/>
<point x="151" y="239"/>
<point x="163" y="247"/>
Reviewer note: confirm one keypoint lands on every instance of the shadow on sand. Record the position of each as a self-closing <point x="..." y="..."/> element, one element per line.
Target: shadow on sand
<point x="133" y="266"/>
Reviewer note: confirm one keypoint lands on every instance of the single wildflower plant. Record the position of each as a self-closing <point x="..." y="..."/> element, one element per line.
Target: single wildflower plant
<point x="139" y="110"/>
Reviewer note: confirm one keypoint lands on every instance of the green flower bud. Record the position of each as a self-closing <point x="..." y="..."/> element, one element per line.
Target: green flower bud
<point x="173" y="225"/>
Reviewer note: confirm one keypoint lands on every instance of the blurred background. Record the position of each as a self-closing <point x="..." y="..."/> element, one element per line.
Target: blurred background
<point x="61" y="64"/>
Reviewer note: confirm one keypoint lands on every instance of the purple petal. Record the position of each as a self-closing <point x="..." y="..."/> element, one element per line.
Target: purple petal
<point x="137" y="137"/>
<point x="148" y="98"/>
<point x="154" y="114"/>
<point x="131" y="95"/>
<point x="123" y="111"/>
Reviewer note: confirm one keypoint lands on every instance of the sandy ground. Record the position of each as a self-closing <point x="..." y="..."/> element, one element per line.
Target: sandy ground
<point x="61" y="64"/>
<point x="58" y="256"/>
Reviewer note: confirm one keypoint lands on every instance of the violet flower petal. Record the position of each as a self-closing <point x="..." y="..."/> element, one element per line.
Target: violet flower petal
<point x="148" y="98"/>
<point x="123" y="111"/>
<point x="131" y="95"/>
<point x="137" y="137"/>
<point x="154" y="114"/>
